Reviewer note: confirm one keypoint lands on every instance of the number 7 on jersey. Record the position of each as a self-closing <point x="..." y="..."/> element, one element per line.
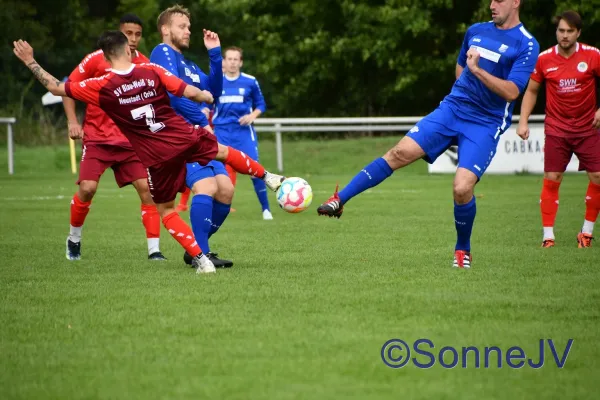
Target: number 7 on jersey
<point x="147" y="112"/>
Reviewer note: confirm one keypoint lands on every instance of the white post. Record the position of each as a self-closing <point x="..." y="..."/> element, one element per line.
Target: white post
<point x="279" y="147"/>
<point x="11" y="167"/>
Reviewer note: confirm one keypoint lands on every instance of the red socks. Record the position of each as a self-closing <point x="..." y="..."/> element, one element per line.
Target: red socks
<point x="79" y="210"/>
<point x="592" y="202"/>
<point x="151" y="221"/>
<point x="243" y="164"/>
<point x="185" y="196"/>
<point x="549" y="202"/>
<point x="182" y="233"/>
<point x="232" y="174"/>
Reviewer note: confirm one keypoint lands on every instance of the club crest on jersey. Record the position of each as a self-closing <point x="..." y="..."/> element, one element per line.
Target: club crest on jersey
<point x="582" y="67"/>
<point x="242" y="91"/>
<point x="503" y="48"/>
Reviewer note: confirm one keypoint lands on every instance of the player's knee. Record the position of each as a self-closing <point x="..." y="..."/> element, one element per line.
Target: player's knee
<point x="206" y="186"/>
<point x="225" y="192"/>
<point x="401" y="155"/>
<point x="87" y="190"/>
<point x="553" y="176"/>
<point x="594" y="177"/>
<point x="462" y="191"/>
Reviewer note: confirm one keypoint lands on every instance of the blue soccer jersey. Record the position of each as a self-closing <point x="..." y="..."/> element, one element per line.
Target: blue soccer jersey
<point x="239" y="97"/>
<point x="508" y="54"/>
<point x="191" y="74"/>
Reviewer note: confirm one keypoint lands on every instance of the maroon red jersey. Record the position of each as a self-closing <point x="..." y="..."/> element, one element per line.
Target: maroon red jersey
<point x="97" y="126"/>
<point x="570" y="90"/>
<point x="137" y="101"/>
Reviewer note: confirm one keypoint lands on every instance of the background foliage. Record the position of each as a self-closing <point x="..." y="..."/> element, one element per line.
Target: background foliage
<point x="312" y="57"/>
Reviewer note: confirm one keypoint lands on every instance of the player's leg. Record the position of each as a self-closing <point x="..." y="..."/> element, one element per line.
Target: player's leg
<point x="221" y="207"/>
<point x="129" y="170"/>
<point x="426" y="140"/>
<point x="165" y="181"/>
<point x="557" y="154"/>
<point x="183" y="200"/>
<point x="243" y="164"/>
<point x="92" y="166"/>
<point x="250" y="148"/>
<point x="475" y="153"/>
<point x="201" y="180"/>
<point x="588" y="152"/>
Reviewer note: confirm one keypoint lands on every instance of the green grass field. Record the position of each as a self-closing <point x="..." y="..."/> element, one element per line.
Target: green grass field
<point x="310" y="301"/>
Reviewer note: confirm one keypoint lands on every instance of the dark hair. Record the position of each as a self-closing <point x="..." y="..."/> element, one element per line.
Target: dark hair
<point x="234" y="48"/>
<point x="572" y="18"/>
<point x="131" y="19"/>
<point x="112" y="44"/>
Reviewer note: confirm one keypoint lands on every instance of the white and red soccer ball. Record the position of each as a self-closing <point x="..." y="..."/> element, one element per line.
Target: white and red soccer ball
<point x="294" y="195"/>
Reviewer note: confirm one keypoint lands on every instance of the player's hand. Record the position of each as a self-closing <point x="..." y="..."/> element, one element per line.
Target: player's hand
<point x="211" y="39"/>
<point x="473" y="59"/>
<point x="523" y="131"/>
<point x="206" y="97"/>
<point x="206" y="112"/>
<point x="75" y="131"/>
<point x="596" y="123"/>
<point x="23" y="51"/>
<point x="247" y="119"/>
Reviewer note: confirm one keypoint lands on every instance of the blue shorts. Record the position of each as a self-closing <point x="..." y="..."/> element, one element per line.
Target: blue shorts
<point x="242" y="138"/>
<point x="476" y="140"/>
<point x="196" y="172"/>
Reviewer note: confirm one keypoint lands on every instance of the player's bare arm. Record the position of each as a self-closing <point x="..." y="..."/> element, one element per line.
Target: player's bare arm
<point x="211" y="39"/>
<point x="24" y="52"/>
<point x="75" y="130"/>
<point x="506" y="89"/>
<point x="459" y="71"/>
<point x="197" y="95"/>
<point x="596" y="122"/>
<point x="529" y="100"/>
<point x="249" y="118"/>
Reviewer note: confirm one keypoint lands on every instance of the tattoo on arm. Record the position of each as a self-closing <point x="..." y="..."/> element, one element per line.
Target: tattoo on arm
<point x="44" y="77"/>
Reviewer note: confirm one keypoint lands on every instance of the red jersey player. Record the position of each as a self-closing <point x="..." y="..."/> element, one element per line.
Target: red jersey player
<point x="572" y="121"/>
<point x="135" y="97"/>
<point x="105" y="146"/>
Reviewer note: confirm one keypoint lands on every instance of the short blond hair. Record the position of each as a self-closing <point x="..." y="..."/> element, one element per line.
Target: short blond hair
<point x="165" y="17"/>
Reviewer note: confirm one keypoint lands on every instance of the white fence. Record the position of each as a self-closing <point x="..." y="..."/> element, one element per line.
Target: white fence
<point x="374" y="124"/>
<point x="9" y="142"/>
<point x="516" y="162"/>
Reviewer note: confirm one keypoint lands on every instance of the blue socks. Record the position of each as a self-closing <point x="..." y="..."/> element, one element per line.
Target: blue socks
<point x="220" y="211"/>
<point x="372" y="175"/>
<point x="261" y="191"/>
<point x="201" y="213"/>
<point x="464" y="215"/>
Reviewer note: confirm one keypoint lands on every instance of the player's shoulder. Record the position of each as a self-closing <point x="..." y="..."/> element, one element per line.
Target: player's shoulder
<point x="586" y="48"/>
<point x="248" y="77"/>
<point x="547" y="54"/>
<point x="478" y="27"/>
<point x="91" y="58"/>
<point x="161" y="49"/>
<point x="140" y="58"/>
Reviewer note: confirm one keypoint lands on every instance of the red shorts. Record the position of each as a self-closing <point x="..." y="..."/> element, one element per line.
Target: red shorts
<point x="167" y="178"/>
<point x="97" y="157"/>
<point x="559" y="150"/>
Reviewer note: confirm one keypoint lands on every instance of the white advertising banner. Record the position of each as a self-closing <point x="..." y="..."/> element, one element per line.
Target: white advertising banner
<point x="513" y="155"/>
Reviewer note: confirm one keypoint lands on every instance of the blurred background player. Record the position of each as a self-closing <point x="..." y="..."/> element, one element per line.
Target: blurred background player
<point x="572" y="120"/>
<point x="494" y="65"/>
<point x="212" y="188"/>
<point x="135" y="97"/>
<point x="105" y="146"/>
<point x="240" y="103"/>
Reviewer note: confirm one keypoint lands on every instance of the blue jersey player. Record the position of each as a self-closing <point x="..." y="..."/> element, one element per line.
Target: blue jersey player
<point x="493" y="68"/>
<point x="212" y="188"/>
<point x="239" y="104"/>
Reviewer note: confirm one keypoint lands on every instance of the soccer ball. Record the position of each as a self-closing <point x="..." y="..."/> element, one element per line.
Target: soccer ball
<point x="294" y="195"/>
